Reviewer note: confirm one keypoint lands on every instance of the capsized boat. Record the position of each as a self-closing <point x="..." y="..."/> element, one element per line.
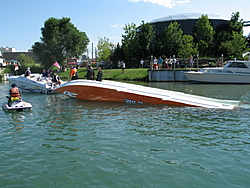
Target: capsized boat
<point x="34" y="84"/>
<point x="17" y="105"/>
<point x="232" y="73"/>
<point x="130" y="93"/>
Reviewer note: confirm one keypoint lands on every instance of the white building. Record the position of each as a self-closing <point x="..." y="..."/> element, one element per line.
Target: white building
<point x="7" y="49"/>
<point x="2" y="62"/>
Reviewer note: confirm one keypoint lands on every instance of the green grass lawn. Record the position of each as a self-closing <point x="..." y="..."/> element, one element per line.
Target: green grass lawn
<point x="111" y="74"/>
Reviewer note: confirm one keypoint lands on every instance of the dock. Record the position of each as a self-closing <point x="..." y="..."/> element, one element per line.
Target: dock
<point x="167" y="76"/>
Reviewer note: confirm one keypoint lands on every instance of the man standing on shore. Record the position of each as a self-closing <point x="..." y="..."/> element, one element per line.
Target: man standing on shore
<point x="160" y="62"/>
<point x="123" y="65"/>
<point x="90" y="73"/>
<point x="141" y="63"/>
<point x="155" y="63"/>
<point x="99" y="74"/>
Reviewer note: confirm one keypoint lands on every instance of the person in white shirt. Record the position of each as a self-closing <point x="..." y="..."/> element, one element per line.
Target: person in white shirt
<point x="123" y="65"/>
<point x="155" y="63"/>
<point x="141" y="63"/>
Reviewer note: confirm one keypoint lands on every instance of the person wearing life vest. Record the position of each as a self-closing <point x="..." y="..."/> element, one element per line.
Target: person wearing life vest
<point x="14" y="93"/>
<point x="73" y="73"/>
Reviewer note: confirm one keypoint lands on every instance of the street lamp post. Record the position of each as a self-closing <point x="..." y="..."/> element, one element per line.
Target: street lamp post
<point x="151" y="63"/>
<point x="174" y="61"/>
<point x="197" y="62"/>
<point x="222" y="60"/>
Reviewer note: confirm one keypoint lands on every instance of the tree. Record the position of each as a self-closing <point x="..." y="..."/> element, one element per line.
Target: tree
<point x="104" y="49"/>
<point x="226" y="33"/>
<point x="25" y="60"/>
<point x="234" y="43"/>
<point x="129" y="41"/>
<point x="158" y="47"/>
<point x="220" y="37"/>
<point x="235" y="24"/>
<point x="248" y="41"/>
<point x="60" y="40"/>
<point x="187" y="47"/>
<point x="172" y="39"/>
<point x="145" y="35"/>
<point x="117" y="55"/>
<point x="236" y="47"/>
<point x="204" y="35"/>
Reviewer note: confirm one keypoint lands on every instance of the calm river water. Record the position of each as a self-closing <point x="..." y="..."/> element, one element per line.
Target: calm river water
<point x="64" y="142"/>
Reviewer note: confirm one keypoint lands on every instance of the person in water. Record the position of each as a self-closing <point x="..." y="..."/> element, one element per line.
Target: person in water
<point x="15" y="94"/>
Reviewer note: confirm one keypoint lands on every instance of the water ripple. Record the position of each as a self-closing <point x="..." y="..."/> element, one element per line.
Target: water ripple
<point x="69" y="143"/>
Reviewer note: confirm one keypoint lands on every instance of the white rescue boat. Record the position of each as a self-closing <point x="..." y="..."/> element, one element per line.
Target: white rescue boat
<point x="34" y="84"/>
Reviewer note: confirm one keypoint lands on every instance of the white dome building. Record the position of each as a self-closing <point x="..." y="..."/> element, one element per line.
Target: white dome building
<point x="187" y="22"/>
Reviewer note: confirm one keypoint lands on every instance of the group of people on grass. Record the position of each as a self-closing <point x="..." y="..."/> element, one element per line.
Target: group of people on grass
<point x="90" y="75"/>
<point x="168" y="63"/>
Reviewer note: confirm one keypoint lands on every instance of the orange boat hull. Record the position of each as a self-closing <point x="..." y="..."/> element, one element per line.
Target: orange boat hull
<point x="111" y="91"/>
<point x="110" y="95"/>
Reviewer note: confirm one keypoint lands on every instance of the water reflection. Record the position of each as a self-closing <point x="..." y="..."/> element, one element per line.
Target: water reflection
<point x="18" y="117"/>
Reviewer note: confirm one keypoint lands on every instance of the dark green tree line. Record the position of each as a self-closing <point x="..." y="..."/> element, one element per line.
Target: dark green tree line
<point x="145" y="35"/>
<point x="140" y="42"/>
<point x="25" y="60"/>
<point x="203" y="35"/>
<point x="60" y="40"/>
<point x="172" y="39"/>
<point x="136" y="41"/>
<point x="104" y="49"/>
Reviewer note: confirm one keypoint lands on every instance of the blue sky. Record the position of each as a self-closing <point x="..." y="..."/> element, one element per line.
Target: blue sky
<point x="22" y="20"/>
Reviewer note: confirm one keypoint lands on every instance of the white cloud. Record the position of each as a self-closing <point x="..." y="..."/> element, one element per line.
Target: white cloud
<point x="165" y="3"/>
<point x="117" y="25"/>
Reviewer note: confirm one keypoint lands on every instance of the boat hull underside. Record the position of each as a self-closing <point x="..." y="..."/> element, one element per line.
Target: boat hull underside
<point x="140" y="95"/>
<point x="110" y="95"/>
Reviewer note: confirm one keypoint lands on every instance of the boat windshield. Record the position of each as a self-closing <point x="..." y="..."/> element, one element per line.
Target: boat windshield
<point x="236" y="65"/>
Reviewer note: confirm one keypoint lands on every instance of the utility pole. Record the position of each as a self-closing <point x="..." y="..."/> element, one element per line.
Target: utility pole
<point x="92" y="53"/>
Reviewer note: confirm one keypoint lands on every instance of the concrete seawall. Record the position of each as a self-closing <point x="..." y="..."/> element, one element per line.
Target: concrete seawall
<point x="167" y="76"/>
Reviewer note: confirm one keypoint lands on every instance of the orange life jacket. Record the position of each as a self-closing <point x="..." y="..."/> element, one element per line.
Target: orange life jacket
<point x="14" y="92"/>
<point x="73" y="72"/>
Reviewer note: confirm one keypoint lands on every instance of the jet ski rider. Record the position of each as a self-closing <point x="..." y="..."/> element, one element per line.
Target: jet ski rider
<point x="14" y="94"/>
